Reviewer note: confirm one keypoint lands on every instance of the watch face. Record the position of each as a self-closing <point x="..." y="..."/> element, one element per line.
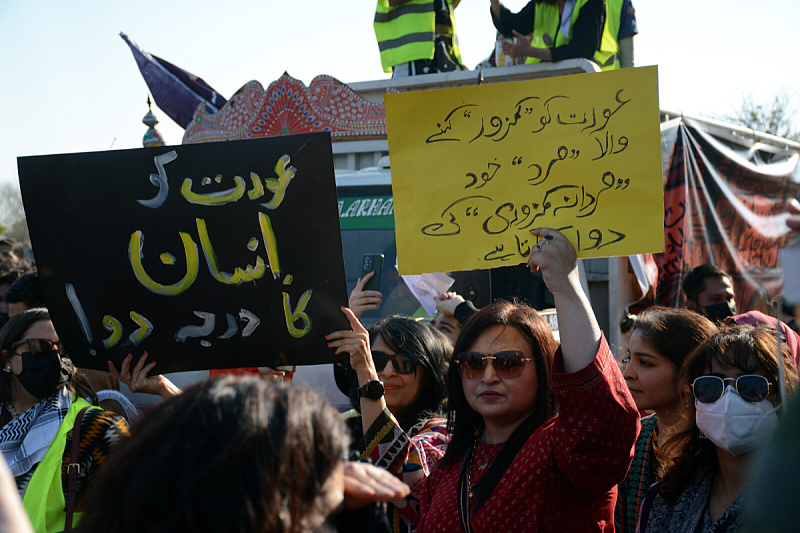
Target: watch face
<point x="372" y="390"/>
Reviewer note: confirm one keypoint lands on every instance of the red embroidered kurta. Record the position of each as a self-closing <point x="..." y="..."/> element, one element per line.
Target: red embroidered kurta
<point x="564" y="478"/>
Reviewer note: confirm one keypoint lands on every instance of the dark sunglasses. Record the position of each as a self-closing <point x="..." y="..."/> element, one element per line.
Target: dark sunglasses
<point x="506" y="364"/>
<point x="403" y="363"/>
<point x="751" y="387"/>
<point x="39" y="347"/>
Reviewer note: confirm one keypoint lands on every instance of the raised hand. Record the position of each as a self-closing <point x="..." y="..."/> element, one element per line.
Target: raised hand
<point x="447" y="302"/>
<point x="137" y="379"/>
<point x="365" y="484"/>
<point x="361" y="300"/>
<point x="518" y="48"/>
<point x="356" y="343"/>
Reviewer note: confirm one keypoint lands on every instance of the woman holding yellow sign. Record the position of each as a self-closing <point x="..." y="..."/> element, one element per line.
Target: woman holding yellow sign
<point x="515" y="462"/>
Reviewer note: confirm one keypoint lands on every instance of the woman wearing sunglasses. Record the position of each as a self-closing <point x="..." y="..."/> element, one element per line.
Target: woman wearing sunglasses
<point x="41" y="397"/>
<point x="400" y="391"/>
<point x="661" y="340"/>
<point x="515" y="463"/>
<point x="732" y="379"/>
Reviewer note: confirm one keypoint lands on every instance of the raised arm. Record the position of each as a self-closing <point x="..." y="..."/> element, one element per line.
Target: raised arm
<point x="555" y="256"/>
<point x="495" y="4"/>
<point x="507" y="22"/>
<point x="410" y="456"/>
<point x="597" y="420"/>
<point x="356" y="343"/>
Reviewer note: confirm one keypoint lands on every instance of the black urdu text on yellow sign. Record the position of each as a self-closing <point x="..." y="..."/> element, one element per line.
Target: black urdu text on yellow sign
<point x="475" y="168"/>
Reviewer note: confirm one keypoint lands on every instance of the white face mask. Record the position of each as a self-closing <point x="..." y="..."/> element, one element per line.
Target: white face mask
<point x="734" y="424"/>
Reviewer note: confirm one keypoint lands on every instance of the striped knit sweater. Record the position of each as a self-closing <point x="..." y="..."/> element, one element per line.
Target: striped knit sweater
<point x="641" y="475"/>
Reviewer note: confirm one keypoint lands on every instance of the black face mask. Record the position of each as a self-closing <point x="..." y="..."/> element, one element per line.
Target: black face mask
<point x="719" y="312"/>
<point x="42" y="375"/>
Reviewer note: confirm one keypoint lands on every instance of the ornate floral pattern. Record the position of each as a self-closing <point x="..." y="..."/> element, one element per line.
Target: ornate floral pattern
<point x="288" y="107"/>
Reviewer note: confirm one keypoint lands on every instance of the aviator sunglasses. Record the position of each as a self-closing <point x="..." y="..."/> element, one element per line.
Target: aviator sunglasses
<point x="403" y="363"/>
<point x="39" y="347"/>
<point x="506" y="364"/>
<point x="751" y="387"/>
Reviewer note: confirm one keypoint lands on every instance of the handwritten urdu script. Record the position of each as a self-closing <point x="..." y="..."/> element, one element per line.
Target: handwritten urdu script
<point x="475" y="169"/>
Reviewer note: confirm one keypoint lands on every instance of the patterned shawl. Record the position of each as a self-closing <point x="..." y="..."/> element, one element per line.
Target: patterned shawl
<point x="24" y="441"/>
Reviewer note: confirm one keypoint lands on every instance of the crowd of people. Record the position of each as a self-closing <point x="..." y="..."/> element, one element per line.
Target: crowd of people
<point x="480" y="420"/>
<point x="477" y="420"/>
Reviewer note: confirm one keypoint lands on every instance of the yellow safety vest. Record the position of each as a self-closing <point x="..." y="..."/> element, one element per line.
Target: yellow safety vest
<point x="406" y="32"/>
<point x="609" y="45"/>
<point x="547" y="18"/>
<point x="44" y="498"/>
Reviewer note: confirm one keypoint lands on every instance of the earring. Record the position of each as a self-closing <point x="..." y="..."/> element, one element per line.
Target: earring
<point x="7" y="369"/>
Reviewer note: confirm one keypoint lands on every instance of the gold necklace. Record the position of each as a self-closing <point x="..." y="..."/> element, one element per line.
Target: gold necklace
<point x="481" y="467"/>
<point x="485" y="464"/>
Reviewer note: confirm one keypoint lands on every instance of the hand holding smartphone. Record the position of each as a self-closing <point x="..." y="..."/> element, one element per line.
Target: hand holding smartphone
<point x="372" y="263"/>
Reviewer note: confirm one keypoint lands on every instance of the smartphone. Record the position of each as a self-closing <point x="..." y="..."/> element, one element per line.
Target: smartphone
<point x="372" y="263"/>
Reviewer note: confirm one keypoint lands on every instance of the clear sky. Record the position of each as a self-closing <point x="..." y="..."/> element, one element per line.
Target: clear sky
<point x="70" y="84"/>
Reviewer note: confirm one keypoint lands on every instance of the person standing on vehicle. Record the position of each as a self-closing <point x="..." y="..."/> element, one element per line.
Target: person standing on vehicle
<point x="417" y="36"/>
<point x="628" y="29"/>
<point x="616" y="46"/>
<point x="555" y="30"/>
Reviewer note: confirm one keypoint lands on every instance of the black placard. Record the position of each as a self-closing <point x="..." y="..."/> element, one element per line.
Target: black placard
<point x="216" y="255"/>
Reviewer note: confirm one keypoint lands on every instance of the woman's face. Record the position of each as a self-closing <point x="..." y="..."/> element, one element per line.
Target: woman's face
<point x="43" y="329"/>
<point x="651" y="378"/>
<point x="502" y="402"/>
<point x="720" y="370"/>
<point x="400" y="390"/>
<point x="447" y="325"/>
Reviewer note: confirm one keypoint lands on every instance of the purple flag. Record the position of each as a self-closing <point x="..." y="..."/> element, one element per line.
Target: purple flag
<point x="176" y="92"/>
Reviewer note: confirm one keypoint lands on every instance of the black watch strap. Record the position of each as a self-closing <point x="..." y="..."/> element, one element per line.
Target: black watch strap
<point x="373" y="390"/>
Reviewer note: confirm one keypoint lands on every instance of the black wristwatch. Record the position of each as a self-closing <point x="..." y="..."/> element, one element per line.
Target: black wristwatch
<point x="372" y="390"/>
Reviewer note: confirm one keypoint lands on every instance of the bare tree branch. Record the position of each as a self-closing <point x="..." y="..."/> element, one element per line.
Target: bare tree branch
<point x="776" y="117"/>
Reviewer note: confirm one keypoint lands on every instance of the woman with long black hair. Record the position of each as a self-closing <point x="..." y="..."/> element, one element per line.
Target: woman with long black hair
<point x="399" y="389"/>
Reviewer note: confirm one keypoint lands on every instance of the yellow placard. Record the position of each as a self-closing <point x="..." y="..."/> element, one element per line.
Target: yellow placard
<point x="474" y="169"/>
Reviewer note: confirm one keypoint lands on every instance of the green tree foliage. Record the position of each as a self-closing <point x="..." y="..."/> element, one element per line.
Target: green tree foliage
<point x="776" y="117"/>
<point x="12" y="213"/>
